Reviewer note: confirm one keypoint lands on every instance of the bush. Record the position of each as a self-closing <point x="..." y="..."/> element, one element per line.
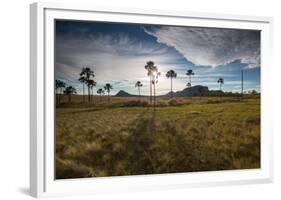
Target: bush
<point x="136" y="103"/>
<point x="175" y="102"/>
<point x="215" y="101"/>
<point x="162" y="103"/>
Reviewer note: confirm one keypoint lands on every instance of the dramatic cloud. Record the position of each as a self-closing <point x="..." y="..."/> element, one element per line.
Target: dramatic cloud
<point x="209" y="46"/>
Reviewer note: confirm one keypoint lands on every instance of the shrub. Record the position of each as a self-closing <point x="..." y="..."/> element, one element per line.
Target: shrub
<point x="175" y="102"/>
<point x="136" y="103"/>
<point x="215" y="101"/>
<point x="162" y="103"/>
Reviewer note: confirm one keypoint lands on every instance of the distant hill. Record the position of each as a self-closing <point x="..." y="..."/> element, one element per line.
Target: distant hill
<point x="197" y="90"/>
<point x="122" y="93"/>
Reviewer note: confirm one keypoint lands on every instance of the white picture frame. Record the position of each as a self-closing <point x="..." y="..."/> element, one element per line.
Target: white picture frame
<point x="42" y="181"/>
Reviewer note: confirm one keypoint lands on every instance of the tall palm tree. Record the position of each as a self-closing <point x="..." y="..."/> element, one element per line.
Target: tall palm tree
<point x="149" y="66"/>
<point x="100" y="92"/>
<point x="138" y="85"/>
<point x="220" y="81"/>
<point x="60" y="85"/>
<point x="69" y="91"/>
<point x="155" y="75"/>
<point x="91" y="83"/>
<point x="171" y="74"/>
<point x="107" y="88"/>
<point x="83" y="80"/>
<point x="88" y="74"/>
<point x="190" y="73"/>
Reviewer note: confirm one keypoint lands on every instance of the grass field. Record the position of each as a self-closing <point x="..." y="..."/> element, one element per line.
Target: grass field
<point x="128" y="137"/>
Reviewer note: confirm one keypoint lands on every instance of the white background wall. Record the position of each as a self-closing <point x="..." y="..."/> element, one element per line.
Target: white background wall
<point x="14" y="98"/>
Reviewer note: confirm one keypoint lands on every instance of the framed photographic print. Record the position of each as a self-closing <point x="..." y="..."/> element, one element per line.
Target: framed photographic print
<point x="129" y="100"/>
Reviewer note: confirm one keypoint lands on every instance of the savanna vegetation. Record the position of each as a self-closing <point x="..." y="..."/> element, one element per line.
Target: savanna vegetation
<point x="129" y="137"/>
<point x="104" y="135"/>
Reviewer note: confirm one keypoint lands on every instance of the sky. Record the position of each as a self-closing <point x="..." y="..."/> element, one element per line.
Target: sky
<point x="118" y="52"/>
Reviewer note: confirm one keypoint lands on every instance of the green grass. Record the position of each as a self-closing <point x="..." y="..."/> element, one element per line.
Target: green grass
<point x="193" y="135"/>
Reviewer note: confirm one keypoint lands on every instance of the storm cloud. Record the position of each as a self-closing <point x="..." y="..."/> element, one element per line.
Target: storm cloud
<point x="211" y="46"/>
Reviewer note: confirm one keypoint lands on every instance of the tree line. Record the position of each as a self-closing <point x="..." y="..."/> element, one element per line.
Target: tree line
<point x="86" y="78"/>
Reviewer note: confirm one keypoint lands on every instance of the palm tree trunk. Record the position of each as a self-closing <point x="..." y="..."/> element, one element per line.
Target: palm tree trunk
<point x="150" y="90"/>
<point x="139" y="92"/>
<point x="89" y="95"/>
<point x="108" y="97"/>
<point x="220" y="92"/>
<point x="83" y="92"/>
<point x="171" y="88"/>
<point x="154" y="94"/>
<point x="92" y="94"/>
<point x="190" y="80"/>
<point x="60" y="94"/>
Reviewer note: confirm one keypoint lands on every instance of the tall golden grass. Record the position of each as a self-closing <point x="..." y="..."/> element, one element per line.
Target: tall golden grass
<point x="129" y="137"/>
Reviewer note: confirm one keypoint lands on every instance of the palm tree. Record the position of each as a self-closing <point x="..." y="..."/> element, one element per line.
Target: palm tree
<point x="138" y="85"/>
<point x="155" y="75"/>
<point x="220" y="81"/>
<point x="83" y="80"/>
<point x="171" y="74"/>
<point x="100" y="92"/>
<point x="88" y="74"/>
<point x="59" y="89"/>
<point x="189" y="73"/>
<point x="91" y="83"/>
<point x="69" y="91"/>
<point x="107" y="88"/>
<point x="149" y="66"/>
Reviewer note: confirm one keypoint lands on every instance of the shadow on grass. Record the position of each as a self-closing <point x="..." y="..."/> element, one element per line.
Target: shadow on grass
<point x="139" y="146"/>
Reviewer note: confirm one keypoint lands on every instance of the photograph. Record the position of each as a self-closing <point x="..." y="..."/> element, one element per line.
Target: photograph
<point x="144" y="99"/>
